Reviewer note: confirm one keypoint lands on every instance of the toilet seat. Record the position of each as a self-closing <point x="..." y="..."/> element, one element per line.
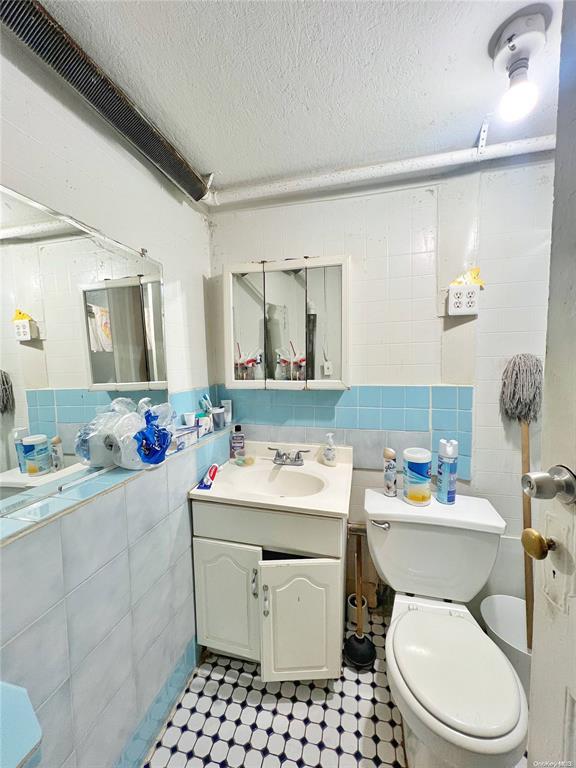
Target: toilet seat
<point x="457" y="673"/>
<point x="456" y="747"/>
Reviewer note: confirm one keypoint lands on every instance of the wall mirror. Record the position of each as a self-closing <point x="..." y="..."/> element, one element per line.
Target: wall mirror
<point x="286" y="324"/>
<point x="247" y="308"/>
<point x="324" y="323"/>
<point x="82" y="323"/>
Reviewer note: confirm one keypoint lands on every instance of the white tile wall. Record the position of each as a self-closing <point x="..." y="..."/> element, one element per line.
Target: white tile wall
<point x="55" y="717"/>
<point x="93" y="536"/>
<point x="11" y="274"/>
<point x="499" y="219"/>
<point x="96" y="606"/>
<point x="56" y="150"/>
<point x="32" y="580"/>
<point x="391" y="237"/>
<point x="92" y="624"/>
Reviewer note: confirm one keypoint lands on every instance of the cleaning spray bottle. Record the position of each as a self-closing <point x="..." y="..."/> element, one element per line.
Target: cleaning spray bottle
<point x="389" y="472"/>
<point x="447" y="469"/>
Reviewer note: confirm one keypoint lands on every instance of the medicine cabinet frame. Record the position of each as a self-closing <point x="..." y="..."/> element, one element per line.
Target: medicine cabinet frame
<point x="268" y="268"/>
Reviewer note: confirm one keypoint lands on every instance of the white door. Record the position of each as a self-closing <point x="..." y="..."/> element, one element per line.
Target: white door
<point x="552" y="729"/>
<point x="301" y="606"/>
<point x="226" y="588"/>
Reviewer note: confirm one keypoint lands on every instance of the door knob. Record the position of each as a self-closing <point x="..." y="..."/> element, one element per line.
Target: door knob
<point x="535" y="545"/>
<point x="558" y="482"/>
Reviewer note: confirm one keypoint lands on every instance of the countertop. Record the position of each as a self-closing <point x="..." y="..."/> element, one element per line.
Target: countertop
<point x="239" y="484"/>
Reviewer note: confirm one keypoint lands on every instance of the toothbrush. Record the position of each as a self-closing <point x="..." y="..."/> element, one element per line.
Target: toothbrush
<point x="206" y="403"/>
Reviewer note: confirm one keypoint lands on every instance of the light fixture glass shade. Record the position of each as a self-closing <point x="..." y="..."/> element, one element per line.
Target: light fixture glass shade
<point x="520" y="98"/>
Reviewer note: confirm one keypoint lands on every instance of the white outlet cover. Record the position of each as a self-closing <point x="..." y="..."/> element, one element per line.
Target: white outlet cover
<point x="463" y="299"/>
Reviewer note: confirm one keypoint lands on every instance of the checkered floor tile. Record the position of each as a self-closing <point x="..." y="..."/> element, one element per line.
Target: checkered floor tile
<point x="228" y="717"/>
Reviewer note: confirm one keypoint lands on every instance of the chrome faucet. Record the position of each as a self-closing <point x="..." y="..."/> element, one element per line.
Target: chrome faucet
<point x="285" y="459"/>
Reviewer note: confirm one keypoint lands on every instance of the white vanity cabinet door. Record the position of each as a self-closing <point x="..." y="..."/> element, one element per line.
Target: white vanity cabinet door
<point x="226" y="586"/>
<point x="300" y="602"/>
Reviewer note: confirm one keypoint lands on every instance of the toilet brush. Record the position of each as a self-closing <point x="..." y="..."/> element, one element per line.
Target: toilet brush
<point x="521" y="399"/>
<point x="359" y="651"/>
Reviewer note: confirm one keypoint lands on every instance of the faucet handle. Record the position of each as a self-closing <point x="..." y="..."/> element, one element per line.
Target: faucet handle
<point x="298" y="454"/>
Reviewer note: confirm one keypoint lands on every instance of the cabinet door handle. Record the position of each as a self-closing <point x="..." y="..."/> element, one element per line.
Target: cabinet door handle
<point x="266" y="600"/>
<point x="255" y="582"/>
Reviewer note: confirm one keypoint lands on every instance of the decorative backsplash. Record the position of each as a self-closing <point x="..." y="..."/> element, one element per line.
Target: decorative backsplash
<point x="48" y="408"/>
<point x="385" y="414"/>
<point x="365" y="417"/>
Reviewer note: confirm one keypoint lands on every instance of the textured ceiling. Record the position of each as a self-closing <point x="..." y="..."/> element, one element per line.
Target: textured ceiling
<point x="273" y="90"/>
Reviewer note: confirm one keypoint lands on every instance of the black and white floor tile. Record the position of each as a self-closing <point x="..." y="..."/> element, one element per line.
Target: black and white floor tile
<point x="228" y="717"/>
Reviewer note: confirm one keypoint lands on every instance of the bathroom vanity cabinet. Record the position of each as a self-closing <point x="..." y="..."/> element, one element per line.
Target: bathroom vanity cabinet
<point x="286" y="324"/>
<point x="270" y="587"/>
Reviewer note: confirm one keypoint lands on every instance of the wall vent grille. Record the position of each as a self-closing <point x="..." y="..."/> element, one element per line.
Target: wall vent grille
<point x="42" y="34"/>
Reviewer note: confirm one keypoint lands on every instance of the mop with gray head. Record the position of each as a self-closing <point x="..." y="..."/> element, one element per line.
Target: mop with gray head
<point x="7" y="404"/>
<point x="521" y="394"/>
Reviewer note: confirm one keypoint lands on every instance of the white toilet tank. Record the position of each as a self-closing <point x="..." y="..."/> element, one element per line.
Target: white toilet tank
<point x="441" y="550"/>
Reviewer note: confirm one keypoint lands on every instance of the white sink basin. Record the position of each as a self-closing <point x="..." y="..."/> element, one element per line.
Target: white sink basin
<point x="280" y="481"/>
<point x="312" y="488"/>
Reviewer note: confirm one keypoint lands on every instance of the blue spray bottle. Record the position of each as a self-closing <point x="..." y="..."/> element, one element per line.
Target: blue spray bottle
<point x="447" y="469"/>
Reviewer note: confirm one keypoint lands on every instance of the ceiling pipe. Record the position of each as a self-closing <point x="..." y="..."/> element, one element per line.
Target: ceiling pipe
<point x="375" y="174"/>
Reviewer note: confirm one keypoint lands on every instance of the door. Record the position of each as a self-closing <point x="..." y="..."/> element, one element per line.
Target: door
<point x="226" y="588"/>
<point x="552" y="733"/>
<point x="301" y="613"/>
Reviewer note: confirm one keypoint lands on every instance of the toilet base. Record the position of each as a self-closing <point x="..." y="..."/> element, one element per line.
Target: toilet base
<point x="419" y="756"/>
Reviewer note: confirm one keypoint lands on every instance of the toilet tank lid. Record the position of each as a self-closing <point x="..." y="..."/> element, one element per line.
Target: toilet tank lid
<point x="468" y="512"/>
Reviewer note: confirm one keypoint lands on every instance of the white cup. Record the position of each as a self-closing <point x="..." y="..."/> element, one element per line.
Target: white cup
<point x="189" y="419"/>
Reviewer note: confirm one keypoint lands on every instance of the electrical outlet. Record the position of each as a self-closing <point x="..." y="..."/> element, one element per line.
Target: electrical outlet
<point x="463" y="299"/>
<point x="327" y="368"/>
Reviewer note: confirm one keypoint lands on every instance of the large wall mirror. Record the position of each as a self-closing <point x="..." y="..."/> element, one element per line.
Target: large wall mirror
<point x="81" y="323"/>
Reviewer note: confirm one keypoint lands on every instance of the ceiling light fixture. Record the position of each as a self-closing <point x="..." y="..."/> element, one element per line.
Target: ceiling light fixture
<point x="523" y="37"/>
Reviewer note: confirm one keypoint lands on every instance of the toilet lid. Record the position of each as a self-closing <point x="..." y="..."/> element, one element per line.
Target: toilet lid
<point x="457" y="673"/>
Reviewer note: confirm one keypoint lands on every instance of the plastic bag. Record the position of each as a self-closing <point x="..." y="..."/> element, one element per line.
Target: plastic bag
<point x="128" y="435"/>
<point x="125" y="450"/>
<point x="94" y="442"/>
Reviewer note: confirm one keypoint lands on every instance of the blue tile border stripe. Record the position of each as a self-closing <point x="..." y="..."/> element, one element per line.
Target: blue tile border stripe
<point x="442" y="411"/>
<point x="147" y="731"/>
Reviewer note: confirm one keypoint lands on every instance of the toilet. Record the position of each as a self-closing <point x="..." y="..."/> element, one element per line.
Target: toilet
<point x="462" y="702"/>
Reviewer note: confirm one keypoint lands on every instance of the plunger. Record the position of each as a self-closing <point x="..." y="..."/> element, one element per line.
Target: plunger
<point x="359" y="651"/>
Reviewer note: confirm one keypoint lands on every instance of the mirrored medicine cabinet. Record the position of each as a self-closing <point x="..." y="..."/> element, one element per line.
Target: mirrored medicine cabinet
<point x="124" y="332"/>
<point x="286" y="324"/>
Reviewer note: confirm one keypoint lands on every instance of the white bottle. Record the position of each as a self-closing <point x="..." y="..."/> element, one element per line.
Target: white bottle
<point x="329" y="452"/>
<point x="17" y="435"/>
<point x="389" y="472"/>
<point x="57" y="453"/>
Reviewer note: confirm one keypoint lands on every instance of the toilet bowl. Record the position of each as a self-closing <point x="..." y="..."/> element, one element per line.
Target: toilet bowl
<point x="462" y="702"/>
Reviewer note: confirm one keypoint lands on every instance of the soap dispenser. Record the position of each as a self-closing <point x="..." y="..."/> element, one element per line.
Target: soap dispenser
<point x="329" y="453"/>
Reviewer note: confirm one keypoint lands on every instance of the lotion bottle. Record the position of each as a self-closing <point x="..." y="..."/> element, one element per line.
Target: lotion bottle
<point x="329" y="452"/>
